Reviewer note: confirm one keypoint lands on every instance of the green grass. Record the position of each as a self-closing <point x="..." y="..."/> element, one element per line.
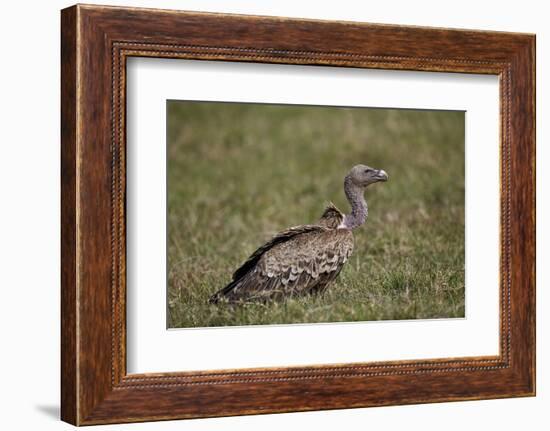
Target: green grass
<point x="238" y="173"/>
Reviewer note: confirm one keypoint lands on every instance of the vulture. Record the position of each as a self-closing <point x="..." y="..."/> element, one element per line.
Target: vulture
<point x="304" y="259"/>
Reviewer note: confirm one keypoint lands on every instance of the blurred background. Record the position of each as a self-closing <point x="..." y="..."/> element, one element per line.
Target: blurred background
<point x="239" y="173"/>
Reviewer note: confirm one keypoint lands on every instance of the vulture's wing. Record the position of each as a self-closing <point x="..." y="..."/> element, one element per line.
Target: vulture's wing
<point x="303" y="261"/>
<point x="281" y="237"/>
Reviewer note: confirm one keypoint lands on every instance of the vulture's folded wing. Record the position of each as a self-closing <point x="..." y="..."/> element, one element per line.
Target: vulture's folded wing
<point x="279" y="238"/>
<point x="304" y="262"/>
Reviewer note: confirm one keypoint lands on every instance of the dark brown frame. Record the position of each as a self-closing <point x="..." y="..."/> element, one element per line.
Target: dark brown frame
<point x="95" y="43"/>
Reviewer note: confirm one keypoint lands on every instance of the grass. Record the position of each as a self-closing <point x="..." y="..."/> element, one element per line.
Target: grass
<point x="238" y="173"/>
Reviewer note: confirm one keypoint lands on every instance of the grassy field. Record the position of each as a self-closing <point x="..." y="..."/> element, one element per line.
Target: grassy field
<point x="238" y="173"/>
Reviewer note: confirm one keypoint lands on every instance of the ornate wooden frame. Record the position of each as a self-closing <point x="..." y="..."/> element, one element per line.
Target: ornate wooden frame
<point x="95" y="43"/>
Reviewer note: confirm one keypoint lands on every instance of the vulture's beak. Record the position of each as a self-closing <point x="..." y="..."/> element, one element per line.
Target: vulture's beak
<point x="381" y="175"/>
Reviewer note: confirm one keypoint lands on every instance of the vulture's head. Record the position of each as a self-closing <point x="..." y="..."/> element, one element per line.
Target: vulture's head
<point x="362" y="175"/>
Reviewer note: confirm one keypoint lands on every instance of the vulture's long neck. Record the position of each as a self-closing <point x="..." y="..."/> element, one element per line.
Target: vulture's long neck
<point x="359" y="209"/>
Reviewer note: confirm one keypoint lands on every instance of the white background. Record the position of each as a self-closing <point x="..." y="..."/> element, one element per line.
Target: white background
<point x="151" y="348"/>
<point x="29" y="216"/>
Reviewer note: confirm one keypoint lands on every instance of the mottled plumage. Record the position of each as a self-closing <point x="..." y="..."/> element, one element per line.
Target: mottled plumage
<point x="303" y="259"/>
<point x="332" y="217"/>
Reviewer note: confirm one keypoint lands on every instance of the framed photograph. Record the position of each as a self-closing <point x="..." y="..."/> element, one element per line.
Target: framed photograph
<point x="264" y="215"/>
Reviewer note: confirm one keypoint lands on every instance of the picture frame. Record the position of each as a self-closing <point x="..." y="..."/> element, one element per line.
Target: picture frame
<point x="96" y="42"/>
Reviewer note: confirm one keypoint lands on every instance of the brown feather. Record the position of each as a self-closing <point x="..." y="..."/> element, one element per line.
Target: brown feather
<point x="297" y="261"/>
<point x="277" y="239"/>
<point x="332" y="217"/>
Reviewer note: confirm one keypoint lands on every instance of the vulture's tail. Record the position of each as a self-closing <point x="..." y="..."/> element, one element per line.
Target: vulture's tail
<point x="222" y="294"/>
